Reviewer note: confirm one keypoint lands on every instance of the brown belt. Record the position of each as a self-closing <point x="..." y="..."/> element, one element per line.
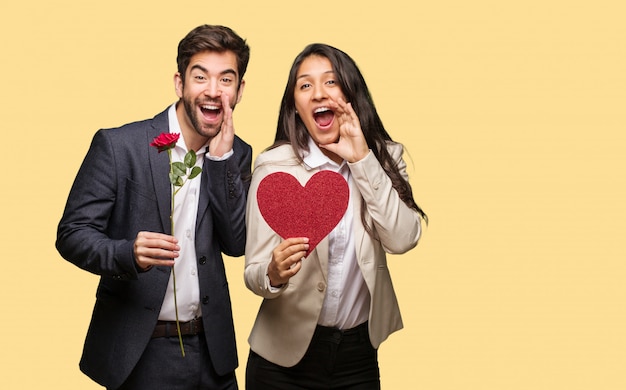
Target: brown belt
<point x="168" y="328"/>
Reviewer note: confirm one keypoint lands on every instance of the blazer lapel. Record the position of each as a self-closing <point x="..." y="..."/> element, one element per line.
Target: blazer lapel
<point x="321" y="253"/>
<point x="203" y="199"/>
<point x="358" y="228"/>
<point x="160" y="168"/>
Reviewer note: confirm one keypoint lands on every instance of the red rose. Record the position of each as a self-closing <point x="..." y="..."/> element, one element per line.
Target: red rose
<point x="165" y="141"/>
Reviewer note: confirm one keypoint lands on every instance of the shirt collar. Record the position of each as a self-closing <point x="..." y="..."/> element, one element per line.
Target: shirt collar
<point x="175" y="128"/>
<point x="315" y="158"/>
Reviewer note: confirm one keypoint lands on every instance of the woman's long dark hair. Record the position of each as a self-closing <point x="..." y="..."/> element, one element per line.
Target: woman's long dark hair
<point x="291" y="129"/>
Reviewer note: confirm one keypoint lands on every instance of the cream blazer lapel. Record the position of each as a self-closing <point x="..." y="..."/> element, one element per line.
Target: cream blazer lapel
<point x="362" y="240"/>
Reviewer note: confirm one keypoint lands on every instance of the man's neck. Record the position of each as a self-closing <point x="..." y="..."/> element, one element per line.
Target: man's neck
<point x="193" y="140"/>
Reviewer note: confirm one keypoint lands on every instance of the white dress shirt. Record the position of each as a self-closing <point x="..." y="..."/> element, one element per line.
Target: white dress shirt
<point x="347" y="299"/>
<point x="185" y="212"/>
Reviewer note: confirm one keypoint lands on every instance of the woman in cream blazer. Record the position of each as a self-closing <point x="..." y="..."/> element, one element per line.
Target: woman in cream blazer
<point x="318" y="130"/>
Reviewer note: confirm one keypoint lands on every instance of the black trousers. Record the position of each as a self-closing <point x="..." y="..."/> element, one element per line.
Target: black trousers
<point x="162" y="367"/>
<point x="335" y="359"/>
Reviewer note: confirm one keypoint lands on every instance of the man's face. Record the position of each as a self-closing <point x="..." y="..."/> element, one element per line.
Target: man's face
<point x="208" y="76"/>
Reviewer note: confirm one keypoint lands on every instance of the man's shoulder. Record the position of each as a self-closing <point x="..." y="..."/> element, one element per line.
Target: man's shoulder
<point x="137" y="131"/>
<point x="159" y="120"/>
<point x="239" y="142"/>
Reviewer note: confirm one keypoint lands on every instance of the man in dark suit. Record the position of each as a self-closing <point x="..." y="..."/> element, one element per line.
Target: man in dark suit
<point x="116" y="224"/>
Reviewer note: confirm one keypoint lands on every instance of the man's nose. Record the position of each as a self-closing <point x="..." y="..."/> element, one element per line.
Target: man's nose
<point x="212" y="89"/>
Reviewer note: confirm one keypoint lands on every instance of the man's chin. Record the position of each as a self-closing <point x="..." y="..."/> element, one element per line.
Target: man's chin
<point x="209" y="131"/>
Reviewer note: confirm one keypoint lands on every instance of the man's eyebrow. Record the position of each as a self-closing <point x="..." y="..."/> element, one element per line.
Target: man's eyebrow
<point x="196" y="66"/>
<point x="205" y="70"/>
<point x="229" y="71"/>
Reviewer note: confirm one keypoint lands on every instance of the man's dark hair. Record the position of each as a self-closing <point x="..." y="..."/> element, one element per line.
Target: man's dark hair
<point x="212" y="38"/>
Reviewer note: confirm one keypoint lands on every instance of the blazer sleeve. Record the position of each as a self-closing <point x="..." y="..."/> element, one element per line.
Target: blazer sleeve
<point x="229" y="182"/>
<point x="398" y="227"/>
<point x="82" y="235"/>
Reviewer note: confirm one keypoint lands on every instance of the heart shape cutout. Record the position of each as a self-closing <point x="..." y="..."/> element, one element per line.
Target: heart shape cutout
<point x="312" y="211"/>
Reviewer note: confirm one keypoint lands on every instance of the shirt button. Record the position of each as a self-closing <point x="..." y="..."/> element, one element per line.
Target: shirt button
<point x="193" y="272"/>
<point x="188" y="233"/>
<point x="321" y="286"/>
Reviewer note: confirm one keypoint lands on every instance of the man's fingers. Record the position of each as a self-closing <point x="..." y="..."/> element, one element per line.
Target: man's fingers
<point x="152" y="249"/>
<point x="227" y="127"/>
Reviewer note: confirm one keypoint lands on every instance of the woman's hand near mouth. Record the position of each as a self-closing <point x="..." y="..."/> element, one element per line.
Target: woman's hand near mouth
<point x="351" y="145"/>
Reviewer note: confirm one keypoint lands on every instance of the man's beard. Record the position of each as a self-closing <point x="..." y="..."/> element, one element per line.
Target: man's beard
<point x="192" y="113"/>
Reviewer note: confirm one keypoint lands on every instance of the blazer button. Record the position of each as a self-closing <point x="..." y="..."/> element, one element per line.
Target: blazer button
<point x="202" y="260"/>
<point x="321" y="286"/>
<point x="205" y="299"/>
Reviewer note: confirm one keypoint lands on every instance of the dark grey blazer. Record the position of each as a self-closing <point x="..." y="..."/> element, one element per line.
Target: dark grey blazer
<point x="122" y="188"/>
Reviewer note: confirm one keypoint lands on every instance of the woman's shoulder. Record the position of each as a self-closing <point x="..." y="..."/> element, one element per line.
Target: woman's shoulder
<point x="276" y="155"/>
<point x="282" y="155"/>
<point x="394" y="148"/>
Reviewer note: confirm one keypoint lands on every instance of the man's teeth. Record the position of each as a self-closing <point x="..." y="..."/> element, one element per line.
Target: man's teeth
<point x="210" y="107"/>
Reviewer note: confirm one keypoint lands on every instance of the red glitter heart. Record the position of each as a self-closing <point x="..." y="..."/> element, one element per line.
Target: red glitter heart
<point x="311" y="211"/>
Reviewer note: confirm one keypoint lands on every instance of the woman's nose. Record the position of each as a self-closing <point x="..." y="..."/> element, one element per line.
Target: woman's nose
<point x="319" y="93"/>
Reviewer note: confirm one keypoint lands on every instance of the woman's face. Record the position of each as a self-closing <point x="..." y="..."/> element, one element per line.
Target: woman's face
<point x="316" y="86"/>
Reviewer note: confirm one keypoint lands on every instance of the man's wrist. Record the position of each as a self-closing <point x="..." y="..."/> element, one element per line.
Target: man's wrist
<point x="225" y="156"/>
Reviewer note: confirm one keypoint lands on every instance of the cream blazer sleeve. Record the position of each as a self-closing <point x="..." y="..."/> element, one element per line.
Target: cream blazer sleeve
<point x="398" y="227"/>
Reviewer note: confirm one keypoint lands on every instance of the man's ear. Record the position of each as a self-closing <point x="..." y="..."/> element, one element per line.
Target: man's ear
<point x="240" y="90"/>
<point x="178" y="85"/>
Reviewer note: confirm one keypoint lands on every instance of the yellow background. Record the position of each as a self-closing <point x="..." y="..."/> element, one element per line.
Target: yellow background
<point x="513" y="113"/>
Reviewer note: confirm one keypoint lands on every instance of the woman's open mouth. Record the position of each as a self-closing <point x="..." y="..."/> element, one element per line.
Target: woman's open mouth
<point x="323" y="117"/>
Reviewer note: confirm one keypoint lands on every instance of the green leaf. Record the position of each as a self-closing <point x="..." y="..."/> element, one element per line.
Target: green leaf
<point x="173" y="178"/>
<point x="190" y="159"/>
<point x="179" y="169"/>
<point x="179" y="182"/>
<point x="195" y="171"/>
